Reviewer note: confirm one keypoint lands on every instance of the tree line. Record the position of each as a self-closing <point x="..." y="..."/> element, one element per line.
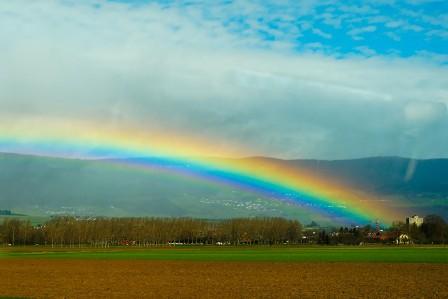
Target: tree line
<point x="104" y="232"/>
<point x="434" y="230"/>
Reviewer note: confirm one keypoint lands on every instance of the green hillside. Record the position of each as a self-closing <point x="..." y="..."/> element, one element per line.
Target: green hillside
<point x="50" y="186"/>
<point x="41" y="186"/>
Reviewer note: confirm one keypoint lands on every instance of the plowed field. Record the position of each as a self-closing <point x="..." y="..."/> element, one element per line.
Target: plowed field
<point x="43" y="278"/>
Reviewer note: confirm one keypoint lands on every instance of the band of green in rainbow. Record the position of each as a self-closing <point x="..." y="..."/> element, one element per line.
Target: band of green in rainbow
<point x="269" y="179"/>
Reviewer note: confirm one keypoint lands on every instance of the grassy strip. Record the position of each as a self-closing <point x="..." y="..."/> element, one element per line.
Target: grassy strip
<point x="279" y="254"/>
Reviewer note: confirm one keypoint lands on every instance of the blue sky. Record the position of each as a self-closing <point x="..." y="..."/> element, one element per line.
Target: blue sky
<point x="291" y="79"/>
<point x="340" y="28"/>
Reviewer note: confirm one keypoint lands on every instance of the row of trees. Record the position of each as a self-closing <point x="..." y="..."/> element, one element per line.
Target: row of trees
<point x="343" y="235"/>
<point x="105" y="232"/>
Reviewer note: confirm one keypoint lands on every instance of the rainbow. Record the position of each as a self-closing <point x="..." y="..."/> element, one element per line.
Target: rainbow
<point x="192" y="157"/>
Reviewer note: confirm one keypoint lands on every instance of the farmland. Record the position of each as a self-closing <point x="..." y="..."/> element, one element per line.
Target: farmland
<point x="386" y="254"/>
<point x="228" y="272"/>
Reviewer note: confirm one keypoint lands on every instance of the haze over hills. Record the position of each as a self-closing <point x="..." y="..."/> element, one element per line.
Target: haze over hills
<point x="54" y="186"/>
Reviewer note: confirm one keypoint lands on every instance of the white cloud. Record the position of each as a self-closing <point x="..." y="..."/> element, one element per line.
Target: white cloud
<point x="425" y="112"/>
<point x="329" y="18"/>
<point x="395" y="24"/>
<point x="420" y="2"/>
<point x="164" y="69"/>
<point x="356" y="33"/>
<point x="431" y="56"/>
<point x="378" y="19"/>
<point x="411" y="27"/>
<point x="366" y="51"/>
<point x="393" y="36"/>
<point x="321" y="33"/>
<point x="364" y="9"/>
<point x="438" y="33"/>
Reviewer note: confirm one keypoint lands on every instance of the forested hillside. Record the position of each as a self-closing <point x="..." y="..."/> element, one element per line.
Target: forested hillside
<point x="50" y="186"/>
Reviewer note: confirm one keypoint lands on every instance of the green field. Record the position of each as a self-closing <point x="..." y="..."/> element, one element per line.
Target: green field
<point x="429" y="254"/>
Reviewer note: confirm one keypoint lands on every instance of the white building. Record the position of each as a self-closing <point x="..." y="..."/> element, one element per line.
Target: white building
<point x="414" y="220"/>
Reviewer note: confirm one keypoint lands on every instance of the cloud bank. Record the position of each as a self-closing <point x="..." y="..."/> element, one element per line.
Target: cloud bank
<point x="173" y="68"/>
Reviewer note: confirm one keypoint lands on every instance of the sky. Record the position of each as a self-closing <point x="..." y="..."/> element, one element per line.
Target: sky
<point x="287" y="79"/>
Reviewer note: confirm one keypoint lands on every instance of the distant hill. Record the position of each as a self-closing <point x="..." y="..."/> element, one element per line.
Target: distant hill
<point x="51" y="186"/>
<point x="387" y="175"/>
<point x="382" y="175"/>
<point x="421" y="184"/>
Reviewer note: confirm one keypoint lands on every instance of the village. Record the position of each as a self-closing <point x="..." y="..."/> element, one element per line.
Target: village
<point x="431" y="229"/>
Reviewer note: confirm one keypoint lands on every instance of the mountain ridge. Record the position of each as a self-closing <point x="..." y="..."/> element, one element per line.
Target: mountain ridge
<point x="51" y="186"/>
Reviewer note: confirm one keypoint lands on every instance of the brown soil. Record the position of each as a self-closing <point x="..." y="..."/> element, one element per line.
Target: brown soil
<point x="169" y="279"/>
